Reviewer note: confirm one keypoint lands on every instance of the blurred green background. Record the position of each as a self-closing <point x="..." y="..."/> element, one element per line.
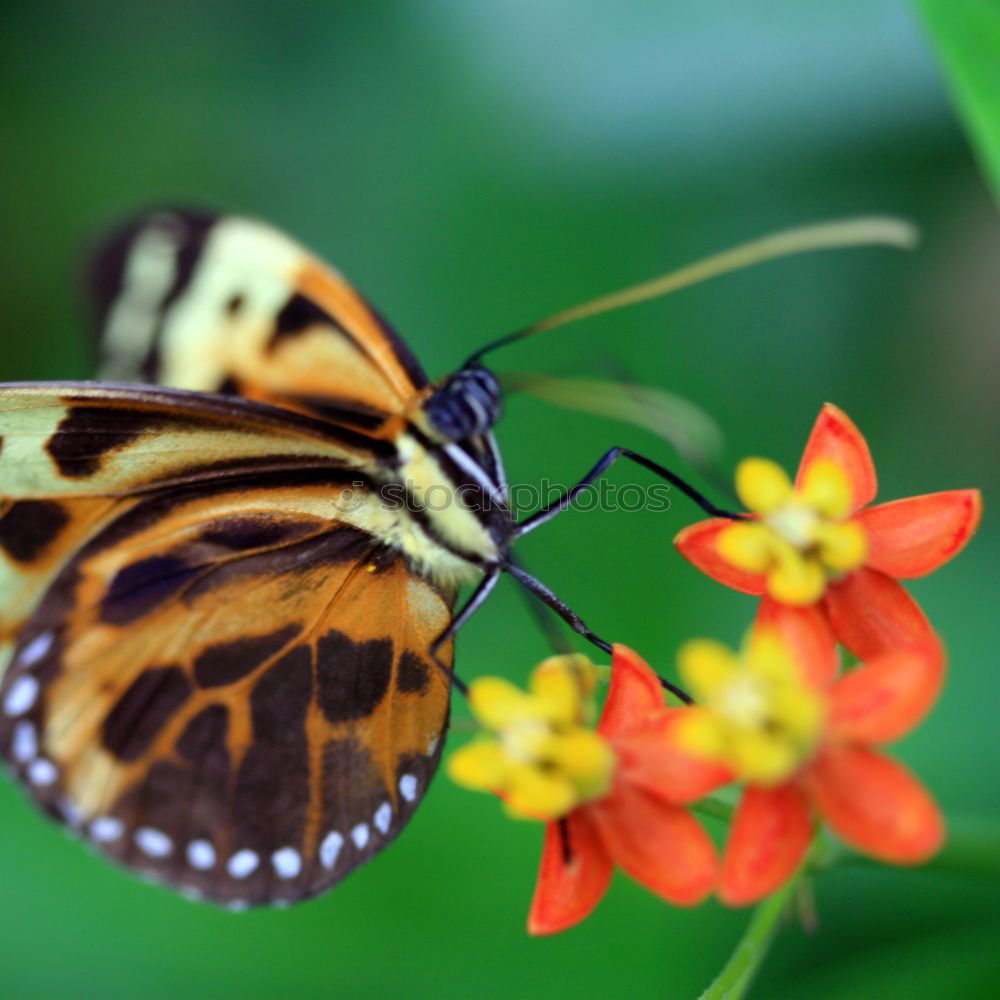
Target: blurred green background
<point x="472" y="165"/>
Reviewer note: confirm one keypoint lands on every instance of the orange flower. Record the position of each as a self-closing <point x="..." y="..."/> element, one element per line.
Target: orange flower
<point x="818" y="541"/>
<point x="640" y="824"/>
<point x="811" y="743"/>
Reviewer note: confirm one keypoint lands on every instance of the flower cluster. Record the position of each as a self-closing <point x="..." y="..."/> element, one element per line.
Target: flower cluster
<point x="781" y="717"/>
<point x="537" y="754"/>
<point x="637" y="821"/>
<point x="800" y="736"/>
<point x="820" y="542"/>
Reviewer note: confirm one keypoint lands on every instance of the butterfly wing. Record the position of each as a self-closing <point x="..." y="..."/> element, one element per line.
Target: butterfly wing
<point x="221" y="681"/>
<point x="226" y="304"/>
<point x="90" y="439"/>
<point x="71" y="454"/>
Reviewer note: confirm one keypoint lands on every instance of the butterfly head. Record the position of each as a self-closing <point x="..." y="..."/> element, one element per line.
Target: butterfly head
<point x="467" y="403"/>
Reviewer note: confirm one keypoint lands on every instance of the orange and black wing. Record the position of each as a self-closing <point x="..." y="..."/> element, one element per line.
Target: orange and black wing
<point x="210" y="671"/>
<point x="72" y="454"/>
<point x="227" y="304"/>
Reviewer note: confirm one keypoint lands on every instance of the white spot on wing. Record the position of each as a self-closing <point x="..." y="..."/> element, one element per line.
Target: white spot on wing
<point x="35" y="649"/>
<point x="24" y="744"/>
<point x="201" y="854"/>
<point x="72" y="813"/>
<point x="287" y="862"/>
<point x="237" y="906"/>
<point x="106" y="828"/>
<point x="243" y="863"/>
<point x="21" y="696"/>
<point x="360" y="835"/>
<point x="329" y="849"/>
<point x="383" y="817"/>
<point x="153" y="842"/>
<point x="42" y="772"/>
<point x="408" y="787"/>
<point x="432" y="746"/>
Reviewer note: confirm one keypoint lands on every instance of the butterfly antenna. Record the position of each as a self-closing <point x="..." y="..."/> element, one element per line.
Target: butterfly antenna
<point x="873" y="230"/>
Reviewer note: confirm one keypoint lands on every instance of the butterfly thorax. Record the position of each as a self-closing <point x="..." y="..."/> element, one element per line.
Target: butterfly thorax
<point x="449" y="471"/>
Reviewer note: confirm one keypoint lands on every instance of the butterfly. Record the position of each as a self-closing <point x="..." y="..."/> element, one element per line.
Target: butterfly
<point x="227" y="602"/>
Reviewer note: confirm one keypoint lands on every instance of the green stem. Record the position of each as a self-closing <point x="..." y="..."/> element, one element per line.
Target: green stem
<point x="737" y="974"/>
<point x="972" y="848"/>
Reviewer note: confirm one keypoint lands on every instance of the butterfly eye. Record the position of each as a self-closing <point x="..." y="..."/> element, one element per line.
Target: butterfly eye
<point x="468" y="403"/>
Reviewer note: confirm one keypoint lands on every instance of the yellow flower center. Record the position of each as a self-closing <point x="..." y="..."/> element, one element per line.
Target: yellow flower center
<point x="537" y="753"/>
<point x="744" y="700"/>
<point x="802" y="538"/>
<point x="796" y="524"/>
<point x="754" y="714"/>
<point x="524" y="740"/>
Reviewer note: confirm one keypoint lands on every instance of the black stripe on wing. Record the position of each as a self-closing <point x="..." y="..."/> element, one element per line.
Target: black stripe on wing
<point x="121" y="412"/>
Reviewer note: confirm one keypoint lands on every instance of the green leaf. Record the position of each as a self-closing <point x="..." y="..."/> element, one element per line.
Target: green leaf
<point x="687" y="427"/>
<point x="966" y="34"/>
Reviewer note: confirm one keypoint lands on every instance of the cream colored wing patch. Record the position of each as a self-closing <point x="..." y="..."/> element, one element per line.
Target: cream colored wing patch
<point x="91" y="440"/>
<point x="230" y="304"/>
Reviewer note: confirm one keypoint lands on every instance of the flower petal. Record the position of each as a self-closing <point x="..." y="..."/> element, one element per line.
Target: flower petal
<point x="660" y="845"/>
<point x="698" y="543"/>
<point x="703" y="733"/>
<point x="562" y="684"/>
<point x="479" y="765"/>
<point x="770" y="834"/>
<point x="532" y="794"/>
<point x="913" y="537"/>
<point x="876" y="805"/>
<point x="497" y="702"/>
<point x="747" y="545"/>
<point x="796" y="580"/>
<point x="806" y="635"/>
<point x="635" y="693"/>
<point x="653" y="759"/>
<point x="871" y="613"/>
<point x="706" y="667"/>
<point x="887" y="696"/>
<point x="835" y="437"/>
<point x="762" y="485"/>
<point x="842" y="546"/>
<point x="826" y="488"/>
<point x="574" y="874"/>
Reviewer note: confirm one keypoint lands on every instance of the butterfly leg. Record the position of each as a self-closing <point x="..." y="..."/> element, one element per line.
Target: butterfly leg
<point x="574" y="621"/>
<point x="607" y="460"/>
<point x="545" y="618"/>
<point x="471" y="606"/>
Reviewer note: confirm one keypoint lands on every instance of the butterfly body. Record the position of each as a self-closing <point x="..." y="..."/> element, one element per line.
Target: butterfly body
<point x="222" y="600"/>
